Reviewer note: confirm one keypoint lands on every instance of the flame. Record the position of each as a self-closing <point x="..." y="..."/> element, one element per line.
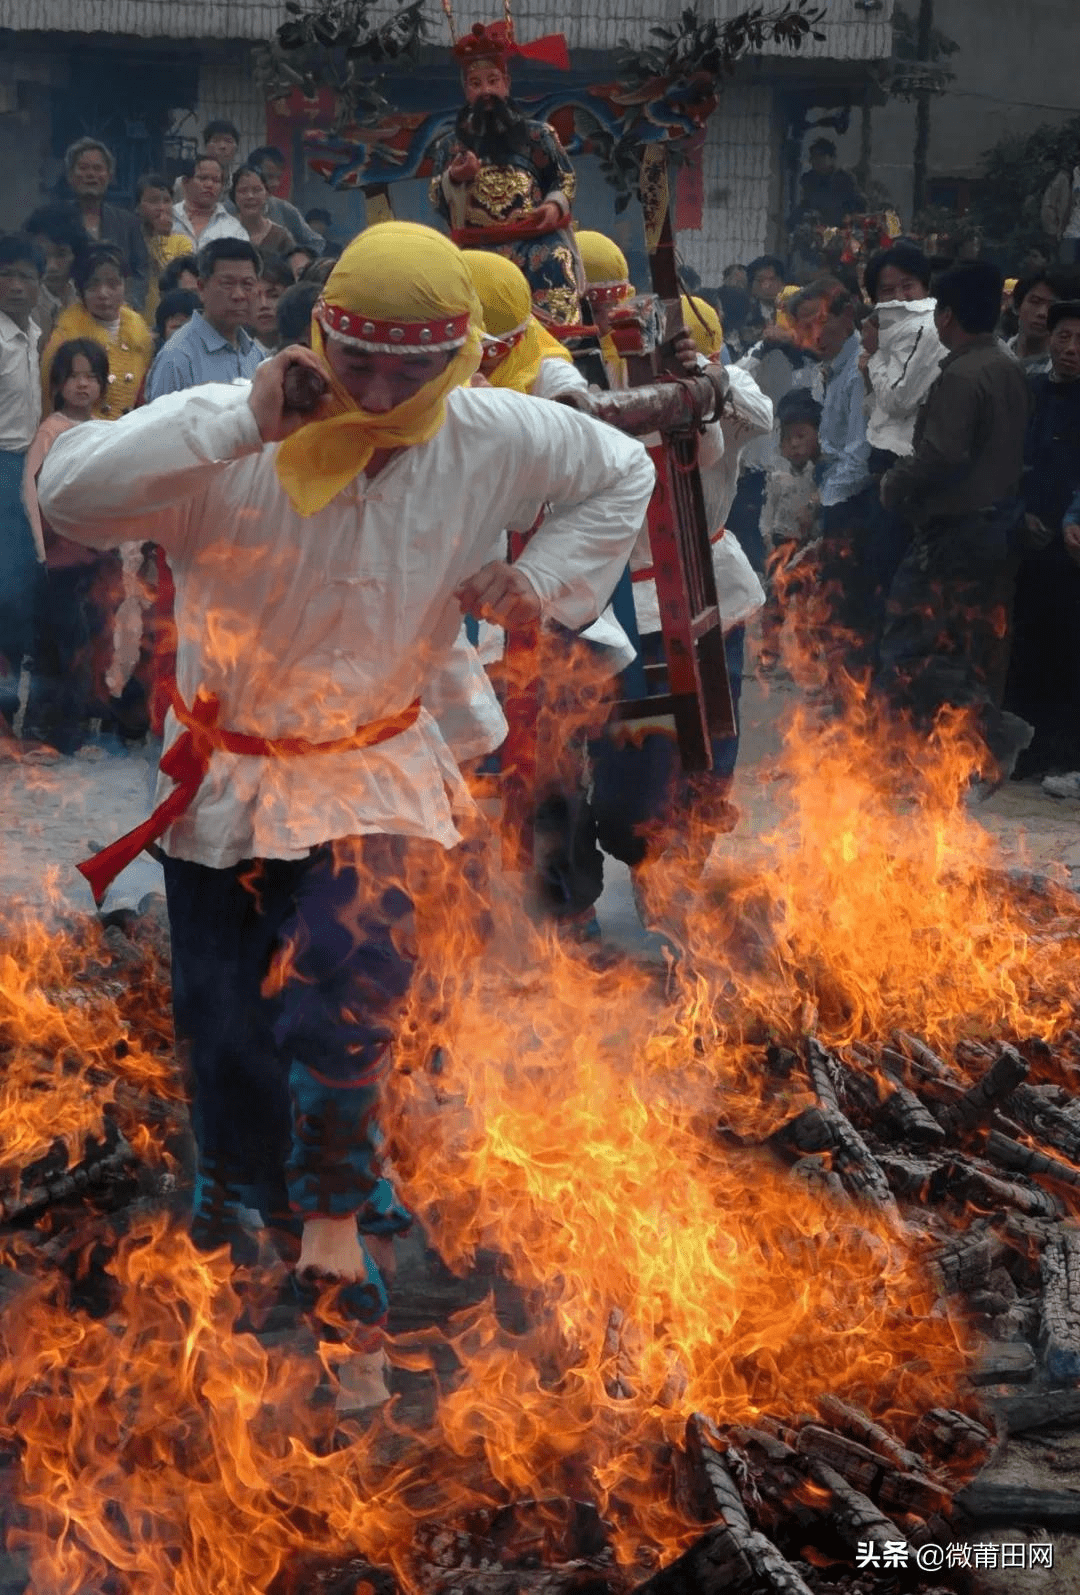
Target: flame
<point x="659" y="1269"/>
<point x="79" y="1034"/>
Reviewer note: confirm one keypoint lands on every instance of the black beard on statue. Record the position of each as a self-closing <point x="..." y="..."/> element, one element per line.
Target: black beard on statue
<point x="493" y="127"/>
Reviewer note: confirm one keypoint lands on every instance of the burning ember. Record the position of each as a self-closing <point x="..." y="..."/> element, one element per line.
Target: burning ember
<point x="754" y="1223"/>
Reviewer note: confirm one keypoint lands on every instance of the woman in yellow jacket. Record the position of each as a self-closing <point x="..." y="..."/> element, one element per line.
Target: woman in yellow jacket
<point x="101" y="314"/>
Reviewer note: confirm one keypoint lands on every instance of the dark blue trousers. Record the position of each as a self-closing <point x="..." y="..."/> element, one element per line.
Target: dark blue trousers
<point x="22" y="579"/>
<point x="289" y="981"/>
<point x="639" y="785"/>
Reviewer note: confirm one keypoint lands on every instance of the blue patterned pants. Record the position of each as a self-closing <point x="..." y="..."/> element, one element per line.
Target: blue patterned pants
<point x="289" y="980"/>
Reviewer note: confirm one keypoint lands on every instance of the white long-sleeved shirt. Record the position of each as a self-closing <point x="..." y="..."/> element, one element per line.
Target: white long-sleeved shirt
<point x="308" y="626"/>
<point x="747" y="415"/>
<point x="20" y="384"/>
<point x="902" y="372"/>
<point x="220" y="225"/>
<point x="556" y="377"/>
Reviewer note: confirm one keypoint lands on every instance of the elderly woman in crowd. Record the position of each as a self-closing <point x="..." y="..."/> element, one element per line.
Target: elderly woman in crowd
<point x="250" y="195"/>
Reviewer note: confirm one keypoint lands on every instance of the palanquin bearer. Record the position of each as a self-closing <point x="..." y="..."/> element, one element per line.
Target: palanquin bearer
<point x="322" y="563"/>
<point x="519" y="353"/>
<point x="504" y="181"/>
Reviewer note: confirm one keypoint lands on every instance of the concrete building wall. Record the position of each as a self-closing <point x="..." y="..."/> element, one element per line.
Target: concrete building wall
<point x="28" y="80"/>
<point x="1016" y="69"/>
<point x="853" y="33"/>
<point x="739" y="179"/>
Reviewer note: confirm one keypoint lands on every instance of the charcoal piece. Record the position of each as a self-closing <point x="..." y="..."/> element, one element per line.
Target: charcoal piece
<point x="965" y="1264"/>
<point x="1007" y="1071"/>
<point x="925" y="1082"/>
<point x="827" y="1129"/>
<point x="1004" y="1362"/>
<point x="1021" y="1159"/>
<point x="856" y="1517"/>
<point x="916" y="1179"/>
<point x="87" y="1177"/>
<point x="1005" y="1504"/>
<point x="904" y="1117"/>
<point x="1059" y="1338"/>
<point x="824" y="1073"/>
<point x="781" y="1062"/>
<point x="946" y="1435"/>
<point x="860" y="1467"/>
<point x="911" y="1495"/>
<point x="815" y="1173"/>
<point x="768" y="1446"/>
<point x="1023" y="1411"/>
<point x="860" y="1426"/>
<point x="1042" y="1118"/>
<point x="327" y="1575"/>
<point x="972" y="1181"/>
<point x="926" y="1059"/>
<point x="734" y="1562"/>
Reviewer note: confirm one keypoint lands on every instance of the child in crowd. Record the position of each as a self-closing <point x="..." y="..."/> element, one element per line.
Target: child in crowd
<point x="100" y="275"/>
<point x="790" y="518"/>
<point x="174" y="311"/>
<point x="74" y="627"/>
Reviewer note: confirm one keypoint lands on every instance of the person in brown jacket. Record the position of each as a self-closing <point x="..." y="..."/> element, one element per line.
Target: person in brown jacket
<point x="950" y="601"/>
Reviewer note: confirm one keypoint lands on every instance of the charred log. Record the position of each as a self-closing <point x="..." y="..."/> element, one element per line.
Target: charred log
<point x="1021" y="1412"/>
<point x="856" y="1517"/>
<point x="1004" y="1362"/>
<point x="1059" y="1339"/>
<point x="966" y="1263"/>
<point x="946" y="1435"/>
<point x="1021" y="1159"/>
<point x="988" y="1504"/>
<point x="859" y="1426"/>
<point x="1007" y="1071"/>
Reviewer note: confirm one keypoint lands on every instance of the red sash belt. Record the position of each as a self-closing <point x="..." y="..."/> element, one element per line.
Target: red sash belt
<point x="647" y="573"/>
<point x="188" y="760"/>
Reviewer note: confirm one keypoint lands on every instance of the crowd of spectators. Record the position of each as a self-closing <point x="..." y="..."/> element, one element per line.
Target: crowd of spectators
<point x="103" y="308"/>
<point x="926" y="441"/>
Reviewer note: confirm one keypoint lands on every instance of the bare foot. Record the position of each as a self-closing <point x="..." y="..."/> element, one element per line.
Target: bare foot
<point x="362" y="1382"/>
<point x="332" y="1246"/>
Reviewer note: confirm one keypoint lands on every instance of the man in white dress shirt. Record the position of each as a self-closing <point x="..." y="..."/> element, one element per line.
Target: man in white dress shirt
<point x="21" y="268"/>
<point x="321" y="569"/>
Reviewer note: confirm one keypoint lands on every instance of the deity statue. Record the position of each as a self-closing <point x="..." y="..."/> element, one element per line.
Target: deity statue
<point x="504" y="181"/>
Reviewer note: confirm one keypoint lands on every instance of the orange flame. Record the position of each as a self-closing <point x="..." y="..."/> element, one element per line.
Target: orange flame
<point x="571" y="1129"/>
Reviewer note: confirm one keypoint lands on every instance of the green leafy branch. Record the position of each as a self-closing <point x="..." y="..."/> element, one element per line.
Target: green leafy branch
<point x="334" y="44"/>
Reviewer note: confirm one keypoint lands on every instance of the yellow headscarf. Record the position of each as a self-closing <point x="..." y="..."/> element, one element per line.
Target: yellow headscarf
<point x="603" y="260"/>
<point x="784" y="318"/>
<point x="506" y="300"/>
<point x="703" y="325"/>
<point x="397" y="271"/>
<point x="606" y="268"/>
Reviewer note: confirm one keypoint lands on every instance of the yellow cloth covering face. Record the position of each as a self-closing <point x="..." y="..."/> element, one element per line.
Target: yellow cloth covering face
<point x="703" y="325"/>
<point x="506" y="300"/>
<point x="602" y="259"/>
<point x="397" y="271"/>
<point x="605" y="264"/>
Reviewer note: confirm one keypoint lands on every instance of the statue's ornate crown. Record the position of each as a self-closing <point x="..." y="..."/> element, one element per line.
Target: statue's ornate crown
<point x="493" y="41"/>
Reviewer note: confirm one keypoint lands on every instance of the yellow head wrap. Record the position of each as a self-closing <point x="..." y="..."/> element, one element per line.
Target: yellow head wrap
<point x="603" y="260"/>
<point x="784" y="318"/>
<point x="606" y="270"/>
<point x="506" y="300"/>
<point x="703" y="325"/>
<point x="395" y="272"/>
